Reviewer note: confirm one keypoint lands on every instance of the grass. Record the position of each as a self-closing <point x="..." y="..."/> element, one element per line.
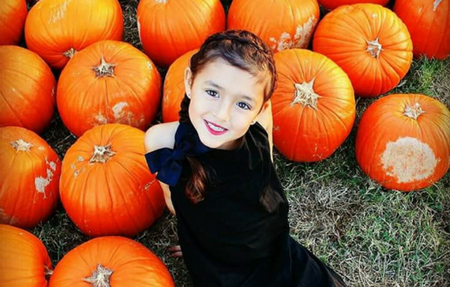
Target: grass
<point x="372" y="236"/>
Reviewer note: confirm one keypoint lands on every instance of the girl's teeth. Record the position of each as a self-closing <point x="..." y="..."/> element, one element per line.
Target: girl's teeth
<point x="217" y="129"/>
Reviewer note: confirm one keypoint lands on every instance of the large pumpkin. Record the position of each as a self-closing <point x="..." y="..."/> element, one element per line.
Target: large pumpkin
<point x="333" y="4"/>
<point x="168" y="29"/>
<point x="370" y="43"/>
<point x="29" y="176"/>
<point x="111" y="261"/>
<point x="428" y="23"/>
<point x="57" y="29"/>
<point x="403" y="141"/>
<point x="12" y="21"/>
<point x="106" y="187"/>
<point x="108" y="82"/>
<point x="24" y="260"/>
<point x="27" y="88"/>
<point x="174" y="87"/>
<point x="281" y="24"/>
<point x="313" y="105"/>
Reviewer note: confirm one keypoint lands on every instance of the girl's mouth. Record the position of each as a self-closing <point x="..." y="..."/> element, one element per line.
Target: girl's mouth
<point x="215" y="129"/>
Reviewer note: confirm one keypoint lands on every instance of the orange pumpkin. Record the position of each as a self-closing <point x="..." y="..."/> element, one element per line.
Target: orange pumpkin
<point x="281" y="24"/>
<point x="27" y="86"/>
<point x="313" y="106"/>
<point x="12" y="21"/>
<point x="106" y="187"/>
<point x="333" y="4"/>
<point x="57" y="29"/>
<point x="428" y="23"/>
<point x="108" y="82"/>
<point x="403" y="141"/>
<point x="174" y="87"/>
<point x="370" y="43"/>
<point x="29" y="173"/>
<point x="168" y="29"/>
<point x="111" y="261"/>
<point x="24" y="260"/>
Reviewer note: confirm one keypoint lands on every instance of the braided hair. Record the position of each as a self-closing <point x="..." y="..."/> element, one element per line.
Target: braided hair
<point x="241" y="49"/>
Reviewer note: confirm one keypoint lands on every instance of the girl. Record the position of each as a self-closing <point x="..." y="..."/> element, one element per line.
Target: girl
<point x="215" y="167"/>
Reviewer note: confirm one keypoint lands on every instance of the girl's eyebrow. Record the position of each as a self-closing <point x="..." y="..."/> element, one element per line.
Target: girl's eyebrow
<point x="216" y="86"/>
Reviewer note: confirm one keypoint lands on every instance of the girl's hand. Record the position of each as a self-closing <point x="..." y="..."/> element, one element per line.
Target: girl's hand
<point x="176" y="251"/>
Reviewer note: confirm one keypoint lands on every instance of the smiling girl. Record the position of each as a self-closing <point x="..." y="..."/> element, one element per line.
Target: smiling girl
<point x="215" y="167"/>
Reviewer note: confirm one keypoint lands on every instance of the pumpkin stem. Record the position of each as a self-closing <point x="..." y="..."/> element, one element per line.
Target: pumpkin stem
<point x="47" y="272"/>
<point x="374" y="48"/>
<point x="104" y="69"/>
<point x="305" y="95"/>
<point x="100" y="277"/>
<point x="413" y="112"/>
<point x="102" y="154"/>
<point x="21" y="145"/>
<point x="69" y="53"/>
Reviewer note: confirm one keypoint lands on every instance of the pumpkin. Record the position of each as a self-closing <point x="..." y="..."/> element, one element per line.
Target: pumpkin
<point x="174" y="87"/>
<point x="111" y="261"/>
<point x="403" y="141"/>
<point x="106" y="187"/>
<point x="427" y="22"/>
<point x="333" y="4"/>
<point x="313" y="105"/>
<point x="24" y="260"/>
<point x="12" y="21"/>
<point x="29" y="173"/>
<point x="57" y="29"/>
<point x="281" y="24"/>
<point x="108" y="82"/>
<point x="168" y="29"/>
<point x="370" y="43"/>
<point x="25" y="81"/>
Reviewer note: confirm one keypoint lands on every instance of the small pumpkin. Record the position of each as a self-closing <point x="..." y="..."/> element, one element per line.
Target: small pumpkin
<point x="27" y="86"/>
<point x="313" y="106"/>
<point x="111" y="261"/>
<point x="403" y="141"/>
<point x="29" y="173"/>
<point x="108" y="82"/>
<point x="57" y="29"/>
<point x="168" y="29"/>
<point x="281" y="24"/>
<point x="24" y="259"/>
<point x="427" y="22"/>
<point x="370" y="43"/>
<point x="174" y="87"/>
<point x="333" y="4"/>
<point x="106" y="187"/>
<point x="12" y="21"/>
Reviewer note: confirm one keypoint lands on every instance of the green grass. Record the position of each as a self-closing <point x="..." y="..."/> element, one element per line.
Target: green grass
<point x="370" y="235"/>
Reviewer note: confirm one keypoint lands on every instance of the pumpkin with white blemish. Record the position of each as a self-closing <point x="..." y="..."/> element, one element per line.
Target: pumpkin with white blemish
<point x="29" y="176"/>
<point x="291" y="23"/>
<point x="12" y="21"/>
<point x="57" y="29"/>
<point x="106" y="187"/>
<point x="108" y="82"/>
<point x="403" y="141"/>
<point x="111" y="261"/>
<point x="313" y="106"/>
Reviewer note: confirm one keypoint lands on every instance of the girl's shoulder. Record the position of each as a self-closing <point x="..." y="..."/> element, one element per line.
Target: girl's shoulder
<point x="160" y="136"/>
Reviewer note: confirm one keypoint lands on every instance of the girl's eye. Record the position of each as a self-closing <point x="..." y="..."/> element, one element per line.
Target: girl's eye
<point x="243" y="106"/>
<point x="212" y="93"/>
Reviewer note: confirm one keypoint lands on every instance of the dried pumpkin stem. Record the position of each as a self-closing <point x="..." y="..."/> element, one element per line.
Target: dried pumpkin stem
<point x="100" y="277"/>
<point x="374" y="48"/>
<point x="414" y="111"/>
<point x="104" y="69"/>
<point x="21" y="145"/>
<point x="102" y="154"/>
<point x="70" y="53"/>
<point x="47" y="272"/>
<point x="305" y="95"/>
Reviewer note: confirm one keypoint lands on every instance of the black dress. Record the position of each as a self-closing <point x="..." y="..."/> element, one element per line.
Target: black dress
<point x="238" y="235"/>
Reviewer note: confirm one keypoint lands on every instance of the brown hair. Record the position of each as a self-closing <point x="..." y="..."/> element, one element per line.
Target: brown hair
<point x="241" y="49"/>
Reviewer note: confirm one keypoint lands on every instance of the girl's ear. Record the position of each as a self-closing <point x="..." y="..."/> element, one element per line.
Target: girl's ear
<point x="188" y="81"/>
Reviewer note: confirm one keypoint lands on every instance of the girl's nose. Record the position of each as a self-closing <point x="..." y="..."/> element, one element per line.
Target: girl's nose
<point x="222" y="111"/>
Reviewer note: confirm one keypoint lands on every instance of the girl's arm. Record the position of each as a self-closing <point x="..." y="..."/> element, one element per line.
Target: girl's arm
<point x="266" y="120"/>
<point x="157" y="137"/>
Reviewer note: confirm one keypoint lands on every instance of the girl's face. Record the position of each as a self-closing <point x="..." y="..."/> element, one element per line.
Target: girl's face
<point x="225" y="100"/>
